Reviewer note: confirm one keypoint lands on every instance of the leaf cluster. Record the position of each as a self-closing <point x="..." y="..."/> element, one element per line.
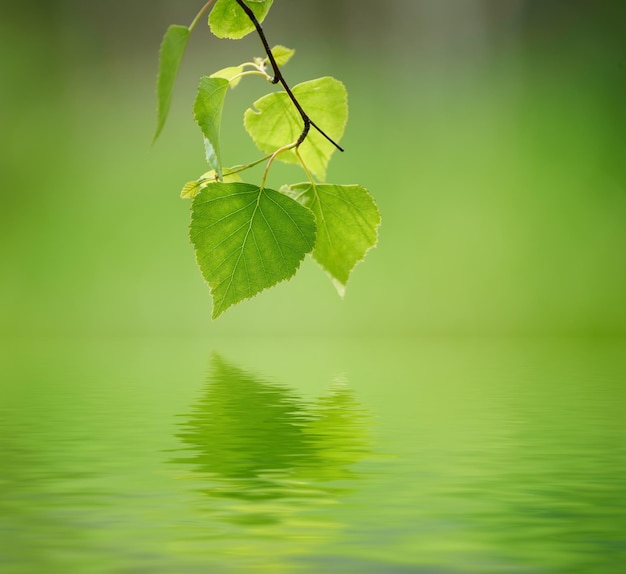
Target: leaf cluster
<point x="248" y="237"/>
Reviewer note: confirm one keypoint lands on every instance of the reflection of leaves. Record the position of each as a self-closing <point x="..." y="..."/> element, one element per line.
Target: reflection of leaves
<point x="337" y="433"/>
<point x="244" y="426"/>
<point x="260" y="441"/>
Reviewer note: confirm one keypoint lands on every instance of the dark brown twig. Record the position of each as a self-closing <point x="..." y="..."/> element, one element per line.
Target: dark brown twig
<point x="279" y="78"/>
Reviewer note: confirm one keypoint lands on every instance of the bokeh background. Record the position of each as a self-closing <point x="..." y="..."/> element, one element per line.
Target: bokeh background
<point x="491" y="132"/>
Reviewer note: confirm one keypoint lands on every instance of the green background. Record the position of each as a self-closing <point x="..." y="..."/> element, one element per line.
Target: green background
<point x="138" y="435"/>
<point x="490" y="133"/>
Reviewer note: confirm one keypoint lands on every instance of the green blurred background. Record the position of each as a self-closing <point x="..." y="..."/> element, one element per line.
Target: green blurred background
<point x="491" y="132"/>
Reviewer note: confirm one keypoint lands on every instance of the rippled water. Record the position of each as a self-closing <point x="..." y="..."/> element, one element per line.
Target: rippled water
<point x="313" y="456"/>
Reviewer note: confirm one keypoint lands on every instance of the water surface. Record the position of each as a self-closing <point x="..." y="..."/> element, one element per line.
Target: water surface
<point x="283" y="455"/>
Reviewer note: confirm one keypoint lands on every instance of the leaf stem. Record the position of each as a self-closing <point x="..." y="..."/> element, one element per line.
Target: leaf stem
<point x="238" y="168"/>
<point x="199" y="15"/>
<point x="279" y="78"/>
<point x="273" y="157"/>
<point x="306" y="169"/>
<point x="233" y="170"/>
<point x="256" y="72"/>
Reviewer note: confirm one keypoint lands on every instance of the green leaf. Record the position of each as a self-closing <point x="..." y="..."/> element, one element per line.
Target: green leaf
<point x="275" y="122"/>
<point x="347" y="223"/>
<point x="172" y="50"/>
<point x="228" y="74"/>
<point x="191" y="188"/>
<point x="282" y="55"/>
<point x="247" y="239"/>
<point x="207" y="110"/>
<point x="228" y="20"/>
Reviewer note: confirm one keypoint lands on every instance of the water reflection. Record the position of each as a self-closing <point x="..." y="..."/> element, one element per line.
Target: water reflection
<point x="249" y="440"/>
<point x="506" y="457"/>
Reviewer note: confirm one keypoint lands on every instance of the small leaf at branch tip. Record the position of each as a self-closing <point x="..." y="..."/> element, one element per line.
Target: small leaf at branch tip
<point x="282" y="54"/>
<point x="191" y="188"/>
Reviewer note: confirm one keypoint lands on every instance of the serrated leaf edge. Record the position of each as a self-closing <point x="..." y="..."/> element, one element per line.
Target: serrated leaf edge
<point x="216" y="312"/>
<point x="339" y="286"/>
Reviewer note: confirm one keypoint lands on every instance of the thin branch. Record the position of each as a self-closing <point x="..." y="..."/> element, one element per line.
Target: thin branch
<point x="199" y="15"/>
<point x="279" y="78"/>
